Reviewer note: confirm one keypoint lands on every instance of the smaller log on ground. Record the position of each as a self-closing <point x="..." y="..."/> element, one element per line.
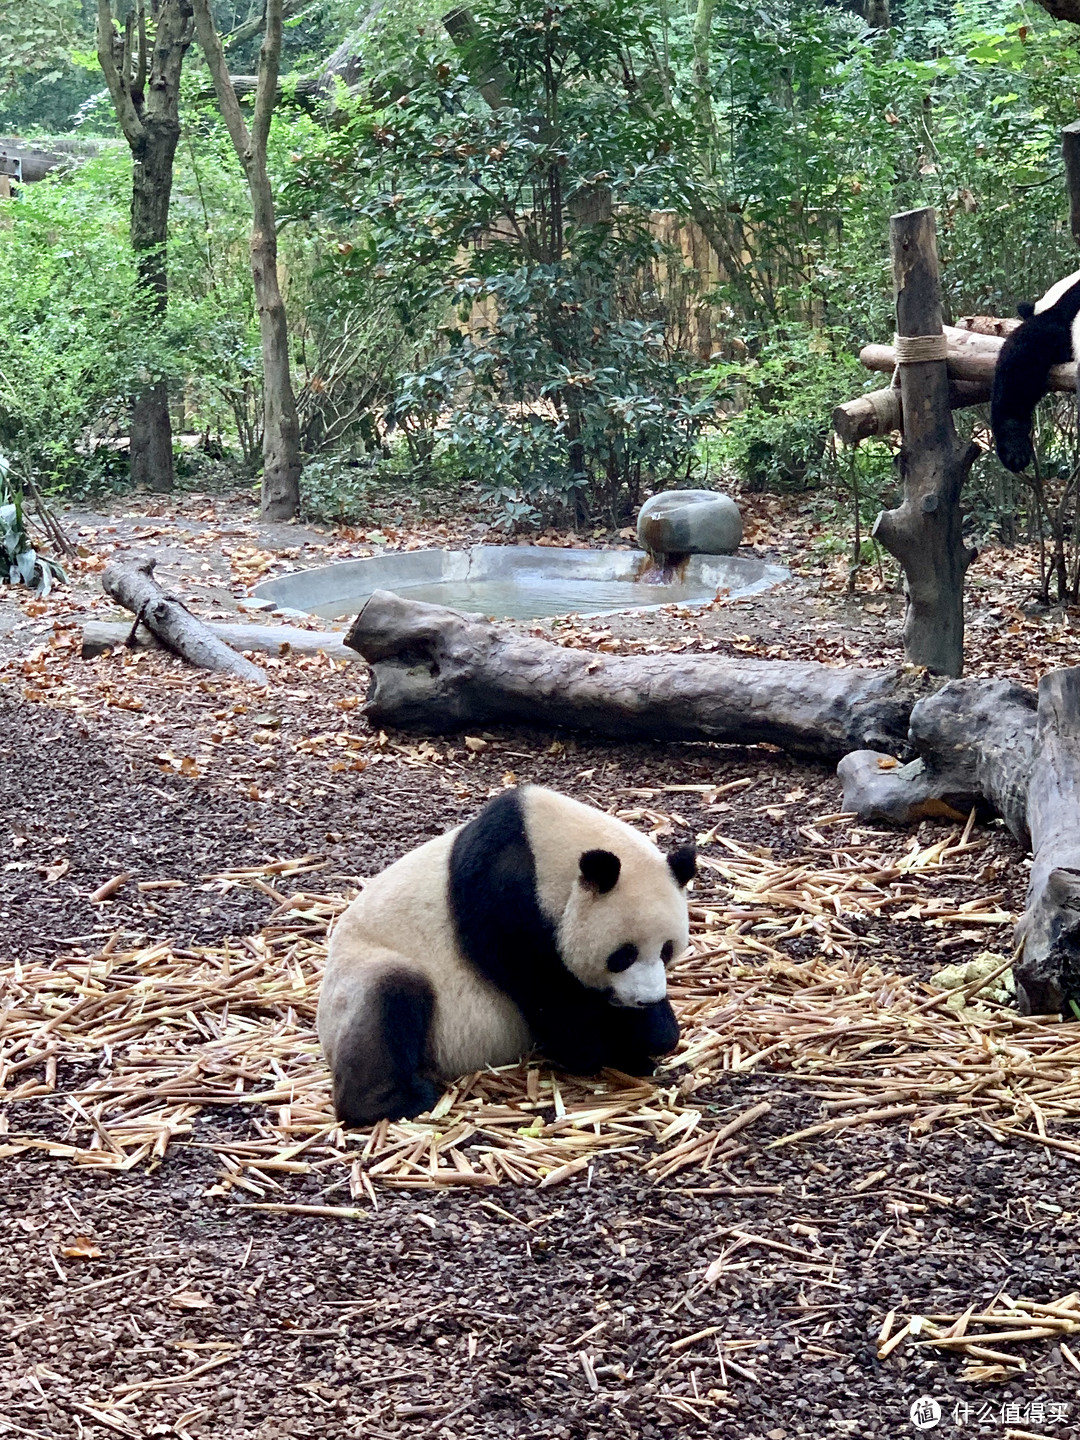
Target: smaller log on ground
<point x="1048" y="972"/>
<point x="134" y="587"/>
<point x="436" y="670"/>
<point x="101" y="635"/>
<point x="974" y="740"/>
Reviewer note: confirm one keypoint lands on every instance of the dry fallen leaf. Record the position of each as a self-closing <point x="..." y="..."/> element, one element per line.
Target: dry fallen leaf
<point x="81" y="1248"/>
<point x="887" y="762"/>
<point x="475" y="744"/>
<point x="190" y="1300"/>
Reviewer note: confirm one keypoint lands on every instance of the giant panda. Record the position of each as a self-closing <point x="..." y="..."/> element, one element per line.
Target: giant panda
<point x="1050" y="335"/>
<point x="542" y="922"/>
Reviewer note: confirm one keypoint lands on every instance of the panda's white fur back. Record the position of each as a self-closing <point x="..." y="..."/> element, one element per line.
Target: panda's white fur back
<point x="474" y="1024"/>
<point x="1056" y="291"/>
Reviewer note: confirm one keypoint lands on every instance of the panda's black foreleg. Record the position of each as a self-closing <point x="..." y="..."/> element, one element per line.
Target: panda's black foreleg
<point x="383" y="1070"/>
<point x="635" y="1037"/>
<point x="596" y="1035"/>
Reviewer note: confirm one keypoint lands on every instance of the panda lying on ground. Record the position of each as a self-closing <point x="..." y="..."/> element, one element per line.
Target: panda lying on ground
<point x="1050" y="335"/>
<point x="541" y="922"/>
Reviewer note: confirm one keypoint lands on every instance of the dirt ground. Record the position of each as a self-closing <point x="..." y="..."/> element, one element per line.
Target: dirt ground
<point x="138" y="1304"/>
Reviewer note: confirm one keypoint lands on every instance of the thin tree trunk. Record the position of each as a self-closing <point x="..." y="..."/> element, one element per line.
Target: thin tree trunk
<point x="281" y="430"/>
<point x="151" y="190"/>
<point x="142" y="72"/>
<point x="701" y="72"/>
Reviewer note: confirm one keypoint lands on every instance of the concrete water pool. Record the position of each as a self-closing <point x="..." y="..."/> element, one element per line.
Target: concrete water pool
<point x="520" y="582"/>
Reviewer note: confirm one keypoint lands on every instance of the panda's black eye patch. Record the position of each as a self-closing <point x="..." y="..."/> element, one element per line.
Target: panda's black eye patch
<point x="667" y="952"/>
<point x="622" y="958"/>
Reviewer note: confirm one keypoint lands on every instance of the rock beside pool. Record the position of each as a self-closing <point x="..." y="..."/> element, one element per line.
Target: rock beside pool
<point x="690" y="522"/>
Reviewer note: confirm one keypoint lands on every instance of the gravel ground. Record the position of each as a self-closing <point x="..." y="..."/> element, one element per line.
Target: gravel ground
<point x="559" y="1313"/>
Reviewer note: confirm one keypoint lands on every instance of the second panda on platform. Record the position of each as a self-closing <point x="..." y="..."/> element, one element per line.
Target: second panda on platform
<point x="542" y="922"/>
<point x="1050" y="335"/>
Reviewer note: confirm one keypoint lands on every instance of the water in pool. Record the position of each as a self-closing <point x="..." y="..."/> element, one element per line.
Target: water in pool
<point x="528" y="597"/>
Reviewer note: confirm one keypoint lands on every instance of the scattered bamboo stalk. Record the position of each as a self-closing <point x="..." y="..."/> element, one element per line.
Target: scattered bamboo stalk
<point x="187" y="1030"/>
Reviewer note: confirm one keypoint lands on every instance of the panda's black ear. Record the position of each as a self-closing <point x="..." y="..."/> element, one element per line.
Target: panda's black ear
<point x="683" y="863"/>
<point x="1025" y="309"/>
<point x="600" y="870"/>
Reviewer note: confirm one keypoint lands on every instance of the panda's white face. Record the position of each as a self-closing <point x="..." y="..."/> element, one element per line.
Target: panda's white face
<point x="625" y="922"/>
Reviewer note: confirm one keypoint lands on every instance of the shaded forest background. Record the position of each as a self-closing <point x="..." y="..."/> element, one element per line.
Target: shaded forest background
<point x="547" y="257"/>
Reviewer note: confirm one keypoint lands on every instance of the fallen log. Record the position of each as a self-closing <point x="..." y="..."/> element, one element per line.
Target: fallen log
<point x="974" y="742"/>
<point x="134" y="587"/>
<point x="101" y="635"/>
<point x="434" y="669"/>
<point x="1048" y="972"/>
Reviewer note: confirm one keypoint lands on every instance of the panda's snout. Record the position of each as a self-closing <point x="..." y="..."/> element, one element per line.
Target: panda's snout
<point x="644" y="983"/>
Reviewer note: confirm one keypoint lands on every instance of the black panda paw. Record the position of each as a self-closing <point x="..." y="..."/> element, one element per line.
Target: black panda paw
<point x="1013" y="442"/>
<point x="422" y="1095"/>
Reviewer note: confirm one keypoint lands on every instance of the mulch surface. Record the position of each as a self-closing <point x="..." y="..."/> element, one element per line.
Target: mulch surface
<point x="611" y="1305"/>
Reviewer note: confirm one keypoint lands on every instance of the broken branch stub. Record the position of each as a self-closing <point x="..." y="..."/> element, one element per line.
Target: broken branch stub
<point x="436" y="670"/>
<point x="974" y="741"/>
<point x="134" y="587"/>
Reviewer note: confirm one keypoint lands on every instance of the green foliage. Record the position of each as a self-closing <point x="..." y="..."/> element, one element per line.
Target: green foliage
<point x="557" y="388"/>
<point x="46" y="72"/>
<point x="780" y="437"/>
<point x="20" y="564"/>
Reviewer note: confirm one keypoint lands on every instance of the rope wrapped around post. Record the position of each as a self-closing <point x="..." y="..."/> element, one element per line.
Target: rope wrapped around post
<point x="918" y="349"/>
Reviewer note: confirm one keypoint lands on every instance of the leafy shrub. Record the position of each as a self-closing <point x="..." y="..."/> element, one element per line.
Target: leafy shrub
<point x="781" y="437"/>
<point x="554" y="391"/>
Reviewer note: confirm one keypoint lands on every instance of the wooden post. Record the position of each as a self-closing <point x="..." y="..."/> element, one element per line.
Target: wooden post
<point x="925" y="531"/>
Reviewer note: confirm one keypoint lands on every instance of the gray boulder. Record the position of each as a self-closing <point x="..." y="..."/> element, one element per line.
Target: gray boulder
<point x="690" y="522"/>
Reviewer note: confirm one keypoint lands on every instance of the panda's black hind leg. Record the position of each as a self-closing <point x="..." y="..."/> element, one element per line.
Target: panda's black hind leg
<point x="384" y="1069"/>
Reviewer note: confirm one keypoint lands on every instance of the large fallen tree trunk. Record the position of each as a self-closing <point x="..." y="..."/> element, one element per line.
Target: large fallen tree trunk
<point x="990" y="744"/>
<point x="974" y="741"/>
<point x="134" y="587"/>
<point x="436" y="670"/>
<point x="1048" y="973"/>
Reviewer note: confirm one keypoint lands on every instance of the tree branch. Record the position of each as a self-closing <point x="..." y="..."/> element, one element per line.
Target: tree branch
<point x="212" y="49"/>
<point x="269" y="60"/>
<point x="107" y="38"/>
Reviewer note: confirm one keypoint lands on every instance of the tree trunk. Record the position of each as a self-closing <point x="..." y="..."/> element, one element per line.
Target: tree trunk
<point x="178" y="630"/>
<point x="281" y="430"/>
<point x="974" y="740"/>
<point x="151" y="191"/>
<point x="700" y="73"/>
<point x="925" y="532"/>
<point x="1048" y="973"/>
<point x="436" y="670"/>
<point x="142" y="73"/>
